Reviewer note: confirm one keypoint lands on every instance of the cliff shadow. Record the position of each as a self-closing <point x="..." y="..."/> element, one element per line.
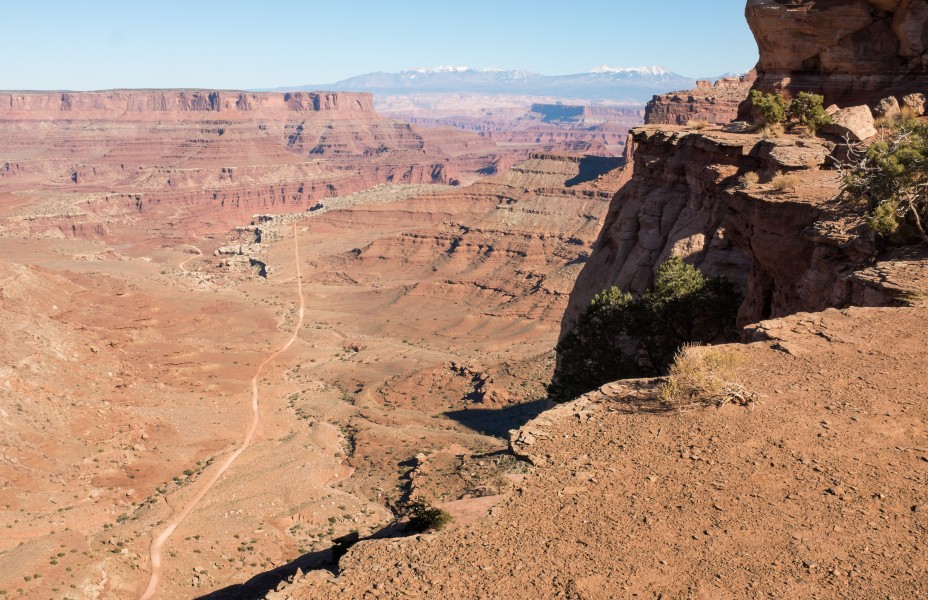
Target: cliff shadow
<point x="264" y="583"/>
<point x="497" y="422"/>
<point x="592" y="167"/>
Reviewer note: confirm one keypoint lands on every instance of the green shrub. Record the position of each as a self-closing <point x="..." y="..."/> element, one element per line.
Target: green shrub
<point x="808" y="109"/>
<point x="771" y="108"/>
<point x="618" y="337"/>
<point x="890" y="178"/>
<point x="593" y="353"/>
<point x="424" y="518"/>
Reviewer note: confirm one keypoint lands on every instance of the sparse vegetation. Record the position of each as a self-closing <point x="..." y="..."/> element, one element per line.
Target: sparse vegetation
<point x="618" y="336"/>
<point x="774" y="111"/>
<point x="424" y="518"/>
<point x="748" y="179"/>
<point x="704" y="375"/>
<point x="808" y="110"/>
<point x="772" y="131"/>
<point x="890" y="178"/>
<point x="785" y="182"/>
<point x="770" y="108"/>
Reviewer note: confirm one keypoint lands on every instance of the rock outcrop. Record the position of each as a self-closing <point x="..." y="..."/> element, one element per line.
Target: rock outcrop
<point x="714" y="103"/>
<point x="852" y="51"/>
<point x="789" y="249"/>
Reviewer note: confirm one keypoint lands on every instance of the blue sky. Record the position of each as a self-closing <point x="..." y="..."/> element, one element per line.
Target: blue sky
<point x="50" y="44"/>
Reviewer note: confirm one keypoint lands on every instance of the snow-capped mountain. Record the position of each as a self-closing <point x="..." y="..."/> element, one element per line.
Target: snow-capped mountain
<point x="654" y="71"/>
<point x="628" y="85"/>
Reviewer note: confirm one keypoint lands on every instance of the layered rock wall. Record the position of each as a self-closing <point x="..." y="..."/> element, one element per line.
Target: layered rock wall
<point x="711" y="102"/>
<point x="852" y="51"/>
<point x="789" y="251"/>
<point x="161" y="104"/>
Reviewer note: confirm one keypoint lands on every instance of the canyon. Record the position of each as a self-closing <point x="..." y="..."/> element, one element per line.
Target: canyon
<point x="148" y="246"/>
<point x="245" y="331"/>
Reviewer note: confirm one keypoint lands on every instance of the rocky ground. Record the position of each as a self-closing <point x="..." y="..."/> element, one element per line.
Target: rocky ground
<point x="817" y="489"/>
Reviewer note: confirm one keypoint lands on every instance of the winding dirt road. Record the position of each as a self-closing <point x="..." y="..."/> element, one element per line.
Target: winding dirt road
<point x="183" y="263"/>
<point x="158" y="543"/>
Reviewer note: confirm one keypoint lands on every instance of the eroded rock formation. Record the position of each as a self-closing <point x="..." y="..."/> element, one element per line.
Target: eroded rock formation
<point x="852" y="51"/>
<point x="790" y="250"/>
<point x="213" y="156"/>
<point x="161" y="104"/>
<point x="710" y="102"/>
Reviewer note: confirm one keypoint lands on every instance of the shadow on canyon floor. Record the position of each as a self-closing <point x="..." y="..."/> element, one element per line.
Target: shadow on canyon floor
<point x="592" y="167"/>
<point x="498" y="421"/>
<point x="262" y="584"/>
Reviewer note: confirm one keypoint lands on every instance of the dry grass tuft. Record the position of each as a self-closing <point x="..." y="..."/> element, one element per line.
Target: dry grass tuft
<point x="748" y="179"/>
<point x="697" y="125"/>
<point x="908" y="113"/>
<point x="703" y="375"/>
<point x="785" y="182"/>
<point x="772" y="130"/>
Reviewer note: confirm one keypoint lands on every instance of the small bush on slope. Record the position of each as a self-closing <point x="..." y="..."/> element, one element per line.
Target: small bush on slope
<point x="618" y="336"/>
<point x="808" y="110"/>
<point x="424" y="518"/>
<point x="769" y="107"/>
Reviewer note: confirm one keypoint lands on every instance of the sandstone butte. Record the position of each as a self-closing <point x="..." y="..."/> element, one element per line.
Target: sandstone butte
<point x="138" y="320"/>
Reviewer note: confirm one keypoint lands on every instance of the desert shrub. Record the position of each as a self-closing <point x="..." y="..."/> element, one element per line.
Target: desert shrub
<point x="908" y="114"/>
<point x="771" y="108"/>
<point x="594" y="352"/>
<point x="890" y="178"/>
<point x="785" y="182"/>
<point x="808" y="109"/>
<point x="748" y="179"/>
<point x="424" y="518"/>
<point x="771" y="131"/>
<point x="618" y="336"/>
<point x="704" y="375"/>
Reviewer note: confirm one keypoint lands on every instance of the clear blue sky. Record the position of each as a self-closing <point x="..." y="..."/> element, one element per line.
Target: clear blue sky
<point x="52" y="44"/>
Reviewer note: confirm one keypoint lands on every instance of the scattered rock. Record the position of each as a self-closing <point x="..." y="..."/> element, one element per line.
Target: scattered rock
<point x="888" y="108"/>
<point x="915" y="103"/>
<point x="854" y="123"/>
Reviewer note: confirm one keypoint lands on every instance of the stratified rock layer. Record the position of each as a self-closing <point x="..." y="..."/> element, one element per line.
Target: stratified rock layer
<point x="852" y="51"/>
<point x="713" y="103"/>
<point x="214" y="156"/>
<point x="789" y="249"/>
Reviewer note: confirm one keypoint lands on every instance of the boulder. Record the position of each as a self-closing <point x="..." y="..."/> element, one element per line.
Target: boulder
<point x="888" y="108"/>
<point x="854" y="123"/>
<point x="738" y="127"/>
<point x="914" y="103"/>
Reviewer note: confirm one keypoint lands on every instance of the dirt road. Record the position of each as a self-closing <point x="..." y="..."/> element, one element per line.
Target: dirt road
<point x="158" y="543"/>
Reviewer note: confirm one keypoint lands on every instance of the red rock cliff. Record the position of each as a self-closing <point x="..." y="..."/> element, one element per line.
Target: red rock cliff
<point x="713" y="102"/>
<point x="162" y="105"/>
<point x="853" y="51"/>
<point x="789" y="251"/>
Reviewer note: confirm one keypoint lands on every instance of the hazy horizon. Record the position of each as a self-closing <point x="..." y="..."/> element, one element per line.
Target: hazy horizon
<point x="96" y="45"/>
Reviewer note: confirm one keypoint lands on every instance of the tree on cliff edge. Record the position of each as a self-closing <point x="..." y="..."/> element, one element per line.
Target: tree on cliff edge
<point x="618" y="336"/>
<point x="890" y="178"/>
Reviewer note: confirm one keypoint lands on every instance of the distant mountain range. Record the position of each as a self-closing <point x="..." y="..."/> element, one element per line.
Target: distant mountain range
<point x="604" y="83"/>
